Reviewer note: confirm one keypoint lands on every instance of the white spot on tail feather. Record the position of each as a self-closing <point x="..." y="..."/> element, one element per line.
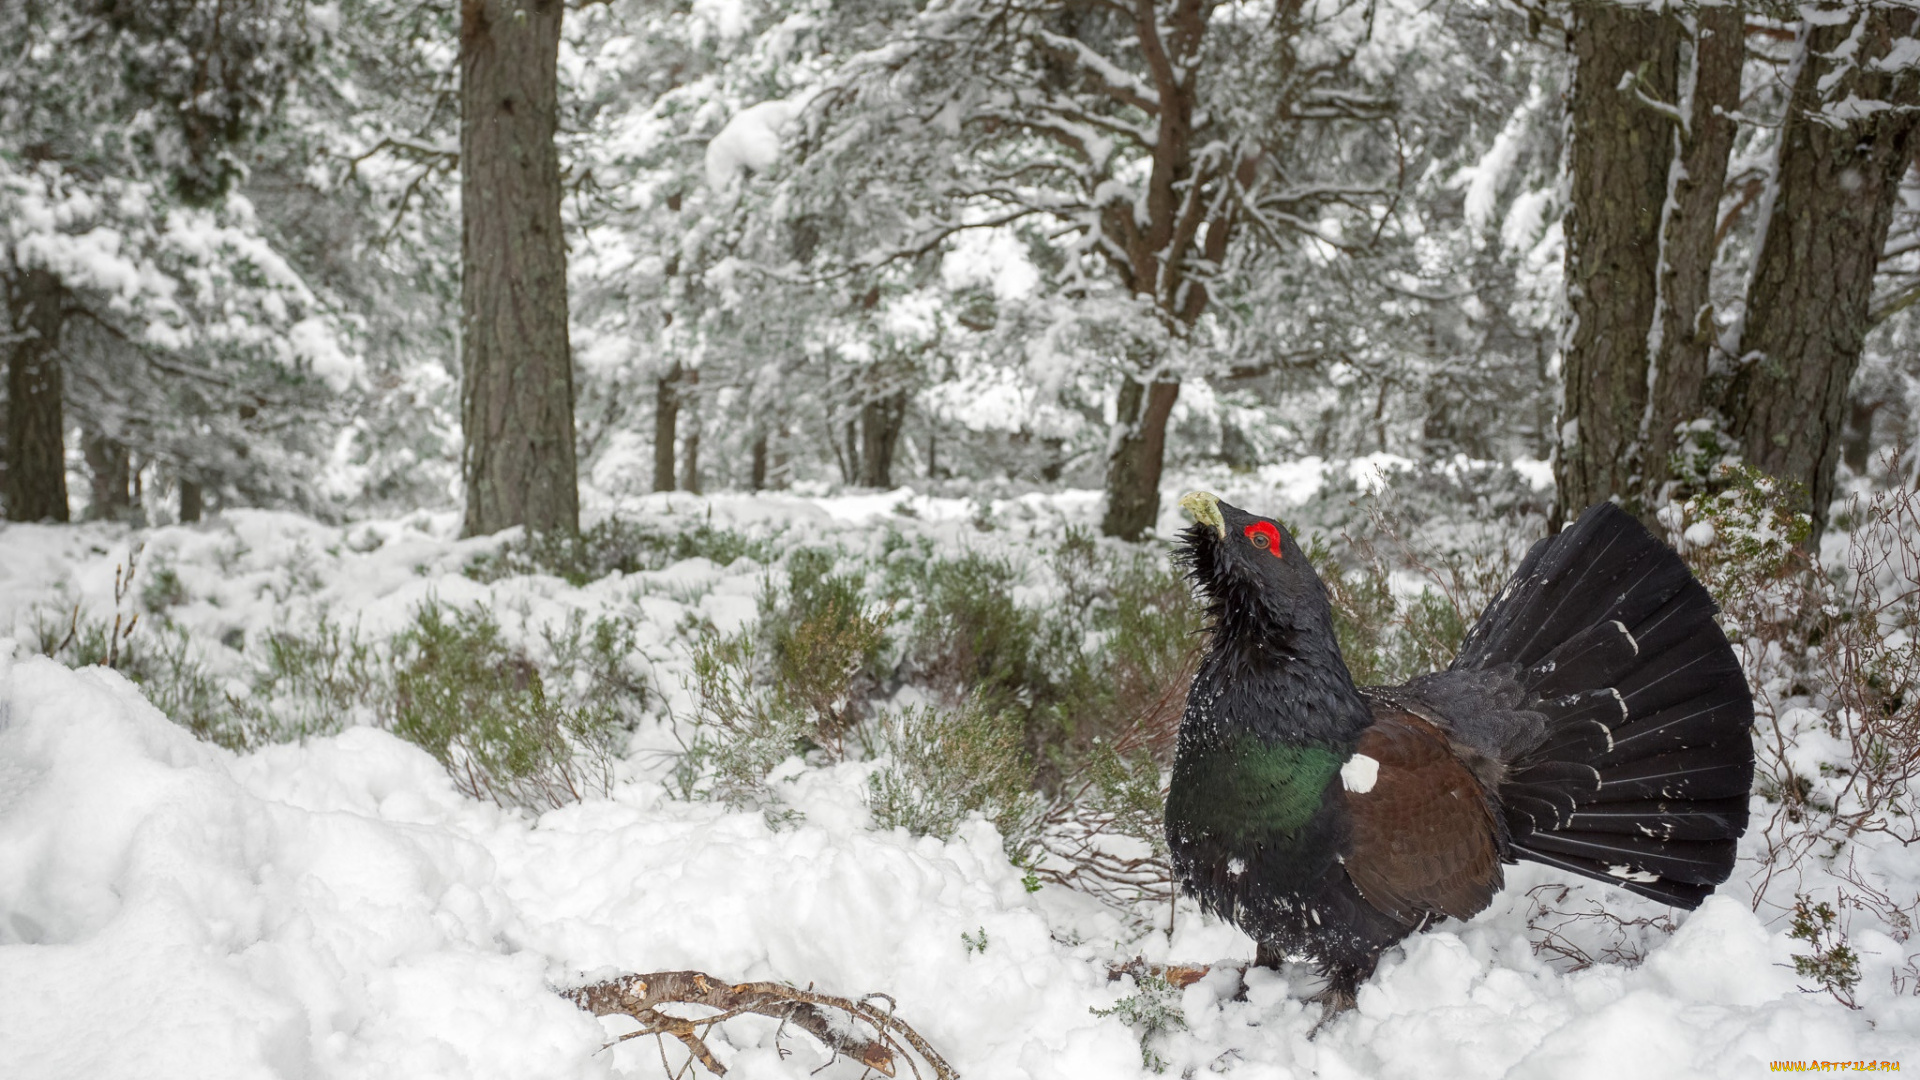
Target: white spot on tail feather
<point x="1628" y="873"/>
<point x="1625" y="633"/>
<point x="1359" y="773"/>
<point x="1236" y="867"/>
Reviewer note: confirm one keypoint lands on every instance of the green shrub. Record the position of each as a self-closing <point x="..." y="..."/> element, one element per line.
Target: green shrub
<point x="158" y="659"/>
<point x="615" y="545"/>
<point x="943" y="765"/>
<point x="798" y="683"/>
<point x="480" y="707"/>
<point x="163" y="589"/>
<point x="743" y="728"/>
<point x="969" y="639"/>
<point x="826" y="642"/>
<point x="182" y="688"/>
<point x="596" y="657"/>
<point x="313" y="683"/>
<point x="1829" y="960"/>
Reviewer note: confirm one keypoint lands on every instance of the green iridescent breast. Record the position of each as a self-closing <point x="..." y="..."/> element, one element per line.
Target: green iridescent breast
<point x="1248" y="790"/>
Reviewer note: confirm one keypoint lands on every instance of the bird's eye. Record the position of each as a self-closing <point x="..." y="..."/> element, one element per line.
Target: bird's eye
<point x="1263" y="535"/>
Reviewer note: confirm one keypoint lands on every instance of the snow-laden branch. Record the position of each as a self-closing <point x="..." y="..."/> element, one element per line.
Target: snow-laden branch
<point x="1118" y="83"/>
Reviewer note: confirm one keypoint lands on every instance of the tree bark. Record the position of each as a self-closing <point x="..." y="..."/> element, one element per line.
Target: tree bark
<point x="1155" y="245"/>
<point x="1837" y="180"/>
<point x="666" y="417"/>
<point x="757" y="474"/>
<point x="517" y="395"/>
<point x="191" y="502"/>
<point x="112" y="474"/>
<point x="690" y="442"/>
<point x="1684" y="333"/>
<point x="1621" y="151"/>
<point x="880" y="422"/>
<point x="36" y="485"/>
<point x="1139" y="451"/>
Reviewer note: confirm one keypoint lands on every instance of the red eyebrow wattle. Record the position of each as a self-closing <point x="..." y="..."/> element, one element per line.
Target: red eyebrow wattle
<point x="1266" y="529"/>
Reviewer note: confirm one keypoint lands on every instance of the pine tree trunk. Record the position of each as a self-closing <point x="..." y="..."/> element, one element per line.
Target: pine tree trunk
<point x="1807" y="307"/>
<point x="191" y="502"/>
<point x="1134" y="464"/>
<point x="1620" y="155"/>
<point x="757" y="476"/>
<point x="690" y="442"/>
<point x="517" y="394"/>
<point x="880" y="422"/>
<point x="111" y="471"/>
<point x="1678" y="352"/>
<point x="36" y="453"/>
<point x="666" y="418"/>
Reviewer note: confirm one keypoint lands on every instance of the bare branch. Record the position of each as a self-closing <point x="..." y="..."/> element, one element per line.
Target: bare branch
<point x="640" y="997"/>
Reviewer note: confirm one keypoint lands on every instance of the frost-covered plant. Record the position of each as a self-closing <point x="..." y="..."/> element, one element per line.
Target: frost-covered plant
<point x="743" y="728"/>
<point x="596" y="660"/>
<point x="796" y="684"/>
<point x="479" y="706"/>
<point x="1743" y="541"/>
<point x="313" y="681"/>
<point x="943" y="765"/>
<point x="969" y="638"/>
<point x="163" y="588"/>
<point x="1151" y="1010"/>
<point x="614" y="545"/>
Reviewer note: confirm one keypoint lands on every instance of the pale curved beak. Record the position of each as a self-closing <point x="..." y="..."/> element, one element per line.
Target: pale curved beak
<point x="1205" y="510"/>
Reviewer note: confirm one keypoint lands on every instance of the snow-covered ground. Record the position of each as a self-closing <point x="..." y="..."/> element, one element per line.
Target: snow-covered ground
<point x="337" y="909"/>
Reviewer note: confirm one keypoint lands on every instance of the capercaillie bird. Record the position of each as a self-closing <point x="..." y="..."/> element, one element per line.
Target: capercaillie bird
<point x="1595" y="720"/>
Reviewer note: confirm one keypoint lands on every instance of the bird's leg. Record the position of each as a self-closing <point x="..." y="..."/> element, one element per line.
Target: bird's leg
<point x="1343" y="984"/>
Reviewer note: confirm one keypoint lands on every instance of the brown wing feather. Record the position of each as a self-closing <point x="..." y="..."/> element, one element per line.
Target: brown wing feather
<point x="1423" y="836"/>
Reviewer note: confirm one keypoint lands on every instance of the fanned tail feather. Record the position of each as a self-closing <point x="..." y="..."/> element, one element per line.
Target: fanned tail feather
<point x="1642" y="776"/>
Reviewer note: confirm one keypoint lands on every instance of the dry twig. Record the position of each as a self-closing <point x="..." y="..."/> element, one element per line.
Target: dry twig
<point x="640" y="996"/>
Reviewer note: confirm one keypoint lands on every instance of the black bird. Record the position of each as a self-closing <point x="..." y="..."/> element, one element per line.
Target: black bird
<point x="1595" y="720"/>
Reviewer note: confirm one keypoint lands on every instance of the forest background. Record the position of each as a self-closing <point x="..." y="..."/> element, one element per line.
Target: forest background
<point x="953" y="244"/>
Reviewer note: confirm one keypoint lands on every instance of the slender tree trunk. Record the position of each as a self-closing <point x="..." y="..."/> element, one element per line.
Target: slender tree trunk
<point x="690" y="442"/>
<point x="757" y="477"/>
<point x="1684" y="331"/>
<point x="1837" y="180"/>
<point x="36" y="453"/>
<point x="666" y="417"/>
<point x="111" y="470"/>
<point x="517" y="395"/>
<point x="880" y="422"/>
<point x="1134" y="464"/>
<point x="191" y="502"/>
<point x="850" y="460"/>
<point x="1620" y="156"/>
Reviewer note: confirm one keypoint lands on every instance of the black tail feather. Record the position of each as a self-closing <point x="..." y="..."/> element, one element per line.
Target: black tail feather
<point x="1642" y="775"/>
<point x="1678" y="893"/>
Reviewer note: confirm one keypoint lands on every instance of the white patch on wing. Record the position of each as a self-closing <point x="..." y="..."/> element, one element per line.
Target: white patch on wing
<point x="1236" y="867"/>
<point x="1359" y="773"/>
